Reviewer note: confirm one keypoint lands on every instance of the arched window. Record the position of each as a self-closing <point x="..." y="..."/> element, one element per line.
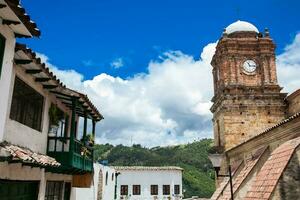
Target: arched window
<point x="112" y="176"/>
<point x="106" y="178"/>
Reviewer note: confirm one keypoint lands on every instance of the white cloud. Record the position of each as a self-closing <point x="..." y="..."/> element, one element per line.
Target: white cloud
<point x="170" y="103"/>
<point x="167" y="105"/>
<point x="288" y="66"/>
<point x="70" y="78"/>
<point x="117" y="63"/>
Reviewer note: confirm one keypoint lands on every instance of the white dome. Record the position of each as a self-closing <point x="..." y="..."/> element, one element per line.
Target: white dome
<point x="240" y="26"/>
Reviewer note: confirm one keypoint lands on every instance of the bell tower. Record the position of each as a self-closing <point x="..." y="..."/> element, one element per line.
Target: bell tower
<point x="247" y="97"/>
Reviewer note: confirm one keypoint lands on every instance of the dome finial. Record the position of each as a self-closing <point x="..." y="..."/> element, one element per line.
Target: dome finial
<point x="267" y="33"/>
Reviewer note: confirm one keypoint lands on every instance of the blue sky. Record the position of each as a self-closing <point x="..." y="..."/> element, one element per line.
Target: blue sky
<point x="146" y="64"/>
<point x="89" y="35"/>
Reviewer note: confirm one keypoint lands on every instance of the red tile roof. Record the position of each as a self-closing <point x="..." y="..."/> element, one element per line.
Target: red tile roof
<point x="269" y="175"/>
<point x="223" y="192"/>
<point x="219" y="191"/>
<point x="14" y="153"/>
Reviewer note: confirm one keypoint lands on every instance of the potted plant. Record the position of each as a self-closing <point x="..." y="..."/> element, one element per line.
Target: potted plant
<point x="54" y="117"/>
<point x="90" y="140"/>
<point x="84" y="152"/>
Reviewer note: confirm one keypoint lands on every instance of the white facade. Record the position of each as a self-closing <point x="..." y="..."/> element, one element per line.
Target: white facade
<point x="6" y="74"/>
<point x="147" y="176"/>
<point x="103" y="187"/>
<point x="16" y="133"/>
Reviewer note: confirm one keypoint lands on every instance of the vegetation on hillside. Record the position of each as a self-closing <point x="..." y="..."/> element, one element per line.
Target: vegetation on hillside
<point x="198" y="175"/>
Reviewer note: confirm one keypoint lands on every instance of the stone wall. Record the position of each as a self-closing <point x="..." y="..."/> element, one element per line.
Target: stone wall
<point x="239" y="120"/>
<point x="272" y="139"/>
<point x="244" y="103"/>
<point x="294" y="103"/>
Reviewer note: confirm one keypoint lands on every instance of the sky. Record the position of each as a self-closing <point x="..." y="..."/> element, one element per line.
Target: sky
<point x="145" y="64"/>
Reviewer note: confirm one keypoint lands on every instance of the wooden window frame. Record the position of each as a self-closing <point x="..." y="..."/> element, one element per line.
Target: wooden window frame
<point x="176" y="189"/>
<point x="25" y="109"/>
<point x="154" y="189"/>
<point x="136" y="189"/>
<point x="124" y="190"/>
<point x="56" y="192"/>
<point x="166" y="190"/>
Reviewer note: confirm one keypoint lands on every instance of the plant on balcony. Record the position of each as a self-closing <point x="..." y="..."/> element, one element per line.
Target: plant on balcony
<point x="54" y="117"/>
<point x="88" y="140"/>
<point x="84" y="152"/>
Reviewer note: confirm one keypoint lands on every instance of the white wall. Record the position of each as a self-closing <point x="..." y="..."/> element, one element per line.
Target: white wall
<point x="6" y="74"/>
<point x="92" y="192"/>
<point x="146" y="178"/>
<point x="108" y="190"/>
<point x="23" y="135"/>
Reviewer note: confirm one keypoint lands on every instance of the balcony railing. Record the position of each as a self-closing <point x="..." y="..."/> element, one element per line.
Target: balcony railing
<point x="75" y="156"/>
<point x="78" y="159"/>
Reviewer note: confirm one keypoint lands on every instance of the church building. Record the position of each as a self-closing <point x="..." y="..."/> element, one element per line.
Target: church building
<point x="255" y="124"/>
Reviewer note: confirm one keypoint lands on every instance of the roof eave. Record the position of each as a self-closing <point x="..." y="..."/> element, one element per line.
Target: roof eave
<point x="24" y="19"/>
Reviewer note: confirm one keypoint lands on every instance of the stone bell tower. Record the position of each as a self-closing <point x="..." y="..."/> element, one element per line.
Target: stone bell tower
<point x="247" y="96"/>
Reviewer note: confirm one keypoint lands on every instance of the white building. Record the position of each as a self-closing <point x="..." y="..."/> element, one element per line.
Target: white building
<point x="103" y="187"/>
<point x="149" y="183"/>
<point x="35" y="161"/>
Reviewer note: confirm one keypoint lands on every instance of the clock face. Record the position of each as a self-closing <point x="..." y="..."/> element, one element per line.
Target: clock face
<point x="249" y="66"/>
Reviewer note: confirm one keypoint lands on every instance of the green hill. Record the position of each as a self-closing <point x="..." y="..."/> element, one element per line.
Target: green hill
<point x="198" y="173"/>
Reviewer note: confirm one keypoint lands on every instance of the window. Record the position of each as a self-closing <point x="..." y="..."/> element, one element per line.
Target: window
<point x="27" y="105"/>
<point x="2" y="47"/>
<point x="112" y="176"/>
<point x="176" y="189"/>
<point x="136" y="190"/>
<point x="124" y="189"/>
<point x="166" y="189"/>
<point x="106" y="178"/>
<point x="154" y="189"/>
<point x="63" y="122"/>
<point x="54" y="190"/>
<point x="63" y="125"/>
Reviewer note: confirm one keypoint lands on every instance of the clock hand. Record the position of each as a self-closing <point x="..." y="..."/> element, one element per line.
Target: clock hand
<point x="249" y="64"/>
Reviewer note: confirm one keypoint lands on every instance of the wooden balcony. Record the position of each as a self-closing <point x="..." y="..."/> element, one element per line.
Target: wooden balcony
<point x="75" y="157"/>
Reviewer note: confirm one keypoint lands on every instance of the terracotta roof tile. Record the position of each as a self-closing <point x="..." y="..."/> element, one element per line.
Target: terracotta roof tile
<point x="220" y="189"/>
<point x="237" y="182"/>
<point x="269" y="175"/>
<point x="25" y="155"/>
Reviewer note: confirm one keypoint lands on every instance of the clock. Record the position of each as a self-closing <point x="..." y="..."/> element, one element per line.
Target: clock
<point x="249" y="66"/>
